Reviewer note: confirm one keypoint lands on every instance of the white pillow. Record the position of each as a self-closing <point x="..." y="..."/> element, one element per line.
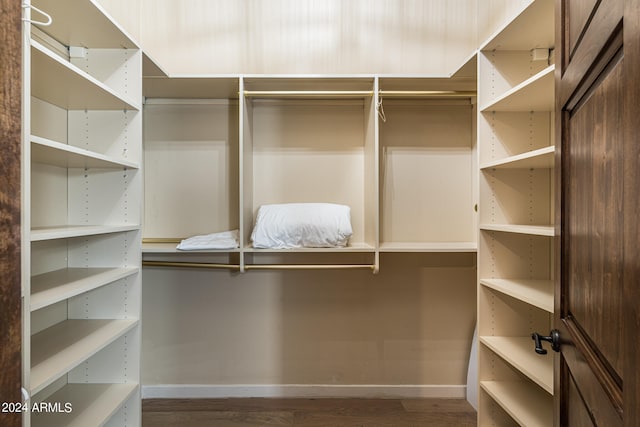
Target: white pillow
<point x="302" y="225"/>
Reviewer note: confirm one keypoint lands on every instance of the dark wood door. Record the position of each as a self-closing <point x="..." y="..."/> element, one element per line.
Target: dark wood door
<point x="10" y="137"/>
<point x="598" y="126"/>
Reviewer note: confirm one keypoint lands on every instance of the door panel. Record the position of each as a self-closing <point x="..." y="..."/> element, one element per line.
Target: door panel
<point x="597" y="281"/>
<point x="579" y="13"/>
<point x="599" y="394"/>
<point x="594" y="223"/>
<point x="583" y="62"/>
<point x="578" y="413"/>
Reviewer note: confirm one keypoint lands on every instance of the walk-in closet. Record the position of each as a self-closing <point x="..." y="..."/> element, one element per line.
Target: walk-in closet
<point x="428" y="124"/>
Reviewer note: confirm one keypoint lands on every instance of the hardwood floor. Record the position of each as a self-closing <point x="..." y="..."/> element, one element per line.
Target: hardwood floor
<point x="307" y="413"/>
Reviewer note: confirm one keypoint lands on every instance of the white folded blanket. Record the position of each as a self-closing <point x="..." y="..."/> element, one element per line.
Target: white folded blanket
<point x="222" y="240"/>
<point x="302" y="225"/>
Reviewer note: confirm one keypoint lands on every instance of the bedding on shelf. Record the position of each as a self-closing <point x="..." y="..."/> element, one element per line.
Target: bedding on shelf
<point x="221" y="240"/>
<point x="302" y="225"/>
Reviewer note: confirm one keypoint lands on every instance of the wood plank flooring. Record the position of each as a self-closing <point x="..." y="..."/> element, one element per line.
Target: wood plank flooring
<point x="256" y="412"/>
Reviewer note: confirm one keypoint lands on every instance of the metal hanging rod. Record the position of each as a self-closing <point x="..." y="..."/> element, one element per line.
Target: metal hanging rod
<point x="309" y="267"/>
<point x="308" y="93"/>
<point x="426" y="94"/>
<point x="161" y="240"/>
<point x="206" y="265"/>
<point x="358" y="93"/>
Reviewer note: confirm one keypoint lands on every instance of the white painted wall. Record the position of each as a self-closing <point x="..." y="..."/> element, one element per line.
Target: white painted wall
<point x="493" y="14"/>
<point x="309" y="36"/>
<point x="409" y="325"/>
<point x="306" y="36"/>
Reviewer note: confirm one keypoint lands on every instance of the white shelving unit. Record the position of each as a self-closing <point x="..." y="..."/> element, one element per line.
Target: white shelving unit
<point x="65" y="156"/>
<point x="534" y="230"/>
<point x="60" y="348"/>
<point x="74" y="88"/>
<point x="82" y="217"/>
<point x="429" y="247"/>
<point x="65" y="232"/>
<point x="427" y="138"/>
<point x="190" y="121"/>
<point x="542" y="158"/>
<point x="523" y="403"/>
<point x="55" y="286"/>
<point x="534" y="94"/>
<point x="326" y="127"/>
<point x="538" y="293"/>
<point x="94" y="404"/>
<point x="303" y="139"/>
<point x="517" y="352"/>
<point x="516" y="157"/>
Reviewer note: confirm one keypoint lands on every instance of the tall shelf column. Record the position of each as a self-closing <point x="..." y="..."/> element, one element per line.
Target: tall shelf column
<point x="82" y="186"/>
<point x="516" y="149"/>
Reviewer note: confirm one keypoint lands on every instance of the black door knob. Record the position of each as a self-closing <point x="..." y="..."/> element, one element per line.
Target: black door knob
<point x="553" y="338"/>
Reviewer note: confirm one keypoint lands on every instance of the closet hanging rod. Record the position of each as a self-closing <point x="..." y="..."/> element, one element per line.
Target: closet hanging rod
<point x="207" y="265"/>
<point x="427" y="94"/>
<point x="308" y="93"/>
<point x="161" y="240"/>
<point x="309" y="267"/>
<point x="190" y="265"/>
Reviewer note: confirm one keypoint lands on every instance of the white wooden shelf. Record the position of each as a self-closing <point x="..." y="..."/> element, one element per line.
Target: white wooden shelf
<point x="456" y="86"/>
<point x="92" y="404"/>
<point x="50" y="288"/>
<point x="539" y="293"/>
<point x="84" y="23"/>
<point x="534" y="94"/>
<point x="179" y="87"/>
<point x="543" y="158"/>
<point x="157" y="248"/>
<point x="67" y="156"/>
<point x="528" y="406"/>
<point x="68" y="231"/>
<point x="151" y="67"/>
<point x="62" y="347"/>
<point x="428" y="247"/>
<point x="74" y="89"/>
<point x="532" y="28"/>
<point x="520" y="353"/>
<point x="535" y="230"/>
<point x="269" y="85"/>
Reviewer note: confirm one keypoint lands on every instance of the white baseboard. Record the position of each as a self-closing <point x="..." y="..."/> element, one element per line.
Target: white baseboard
<point x="199" y="391"/>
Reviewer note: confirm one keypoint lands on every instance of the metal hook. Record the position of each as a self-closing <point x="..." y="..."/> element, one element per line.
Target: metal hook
<point x="380" y="109"/>
<point x="45" y="14"/>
